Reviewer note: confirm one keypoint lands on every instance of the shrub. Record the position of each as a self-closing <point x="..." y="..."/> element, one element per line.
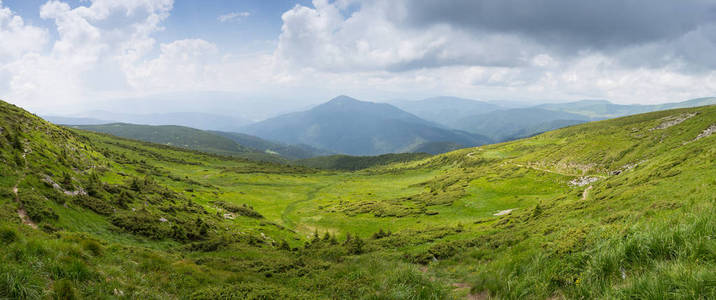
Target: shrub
<point x="94" y="204"/>
<point x="354" y="245"/>
<point x="36" y="208"/>
<point x="242" y="210"/>
<point x="64" y="290"/>
<point x="92" y="246"/>
<point x="141" y="223"/>
<point x="8" y="235"/>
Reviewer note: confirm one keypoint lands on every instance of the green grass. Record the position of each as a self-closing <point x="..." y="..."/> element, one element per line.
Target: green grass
<point x="353" y="163"/>
<point x="646" y="232"/>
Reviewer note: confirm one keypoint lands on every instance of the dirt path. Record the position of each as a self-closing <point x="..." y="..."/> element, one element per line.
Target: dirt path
<point x="473" y="152"/>
<point x="585" y="194"/>
<point x="21" y="211"/>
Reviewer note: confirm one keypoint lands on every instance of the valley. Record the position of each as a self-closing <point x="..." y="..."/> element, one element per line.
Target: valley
<point x="141" y="220"/>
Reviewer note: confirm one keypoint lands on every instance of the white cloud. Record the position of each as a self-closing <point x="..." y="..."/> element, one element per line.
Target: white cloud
<point x="378" y="42"/>
<point x="234" y="16"/>
<point x="16" y="37"/>
<point x="89" y="56"/>
<point x="107" y="49"/>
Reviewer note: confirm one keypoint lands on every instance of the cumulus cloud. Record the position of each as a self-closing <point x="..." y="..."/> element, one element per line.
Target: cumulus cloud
<point x="17" y="37"/>
<point x="628" y="51"/>
<point x="91" y="53"/>
<point x="234" y="16"/>
<point x="516" y="48"/>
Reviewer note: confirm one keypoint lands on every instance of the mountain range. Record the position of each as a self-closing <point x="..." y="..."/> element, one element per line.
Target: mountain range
<point x="349" y="126"/>
<point x="215" y="142"/>
<point x="613" y="209"/>
<point x="203" y="121"/>
<point x="345" y="125"/>
<point x="504" y="124"/>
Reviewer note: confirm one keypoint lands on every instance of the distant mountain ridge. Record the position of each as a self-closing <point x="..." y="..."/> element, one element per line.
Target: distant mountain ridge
<point x="603" y="109"/>
<point x="446" y="110"/>
<point x="503" y="124"/>
<point x="349" y="126"/>
<point x="198" y="120"/>
<point x="299" y="151"/>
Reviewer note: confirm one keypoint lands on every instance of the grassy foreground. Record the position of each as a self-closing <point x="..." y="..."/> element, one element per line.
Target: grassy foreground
<point x="621" y="208"/>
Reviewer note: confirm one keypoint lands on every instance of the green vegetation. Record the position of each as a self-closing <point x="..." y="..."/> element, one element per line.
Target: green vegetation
<point x="353" y="163"/>
<point x="290" y="152"/>
<point x="184" y="137"/>
<point x="621" y="208"/>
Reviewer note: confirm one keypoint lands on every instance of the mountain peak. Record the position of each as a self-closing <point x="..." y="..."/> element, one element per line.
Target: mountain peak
<point x="593" y="101"/>
<point x="343" y="99"/>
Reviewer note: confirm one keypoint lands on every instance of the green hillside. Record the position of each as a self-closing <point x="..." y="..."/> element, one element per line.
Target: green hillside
<point x="511" y="124"/>
<point x="287" y="151"/>
<point x="183" y="137"/>
<point x="622" y="208"/>
<point x="353" y="163"/>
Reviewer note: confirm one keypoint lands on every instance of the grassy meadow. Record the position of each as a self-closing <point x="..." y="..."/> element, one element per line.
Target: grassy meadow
<point x="621" y="208"/>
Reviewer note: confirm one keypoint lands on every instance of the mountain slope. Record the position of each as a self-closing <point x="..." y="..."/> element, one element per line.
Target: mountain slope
<point x="504" y="125"/>
<point x="287" y="151"/>
<point x="203" y="121"/>
<point x="183" y="137"/>
<point x="614" y="209"/>
<point x="346" y="125"/>
<point x="510" y="124"/>
<point x="446" y="110"/>
<point x="602" y="109"/>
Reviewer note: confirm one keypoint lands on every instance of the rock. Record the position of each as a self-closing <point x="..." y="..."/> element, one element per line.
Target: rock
<point x="504" y="212"/>
<point x="674" y="120"/>
<point x="707" y="132"/>
<point x="582" y="181"/>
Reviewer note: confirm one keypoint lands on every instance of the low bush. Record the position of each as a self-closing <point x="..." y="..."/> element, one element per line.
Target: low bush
<point x="242" y="210"/>
<point x="8" y="235"/>
<point x="97" y="205"/>
<point x="37" y="208"/>
<point x="63" y="289"/>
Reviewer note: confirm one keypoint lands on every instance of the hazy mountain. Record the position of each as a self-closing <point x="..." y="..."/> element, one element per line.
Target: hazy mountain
<point x="445" y="110"/>
<point x="76" y="120"/>
<point x="510" y="124"/>
<point x="184" y="137"/>
<point x="602" y="109"/>
<point x="209" y="102"/>
<point x="204" y="121"/>
<point x="288" y="151"/>
<point x="349" y="126"/>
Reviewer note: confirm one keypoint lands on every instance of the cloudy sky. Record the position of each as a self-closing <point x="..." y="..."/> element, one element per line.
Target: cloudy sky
<point x="68" y="55"/>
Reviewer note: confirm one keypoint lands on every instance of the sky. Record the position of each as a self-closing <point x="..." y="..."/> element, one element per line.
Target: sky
<point x="64" y="56"/>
